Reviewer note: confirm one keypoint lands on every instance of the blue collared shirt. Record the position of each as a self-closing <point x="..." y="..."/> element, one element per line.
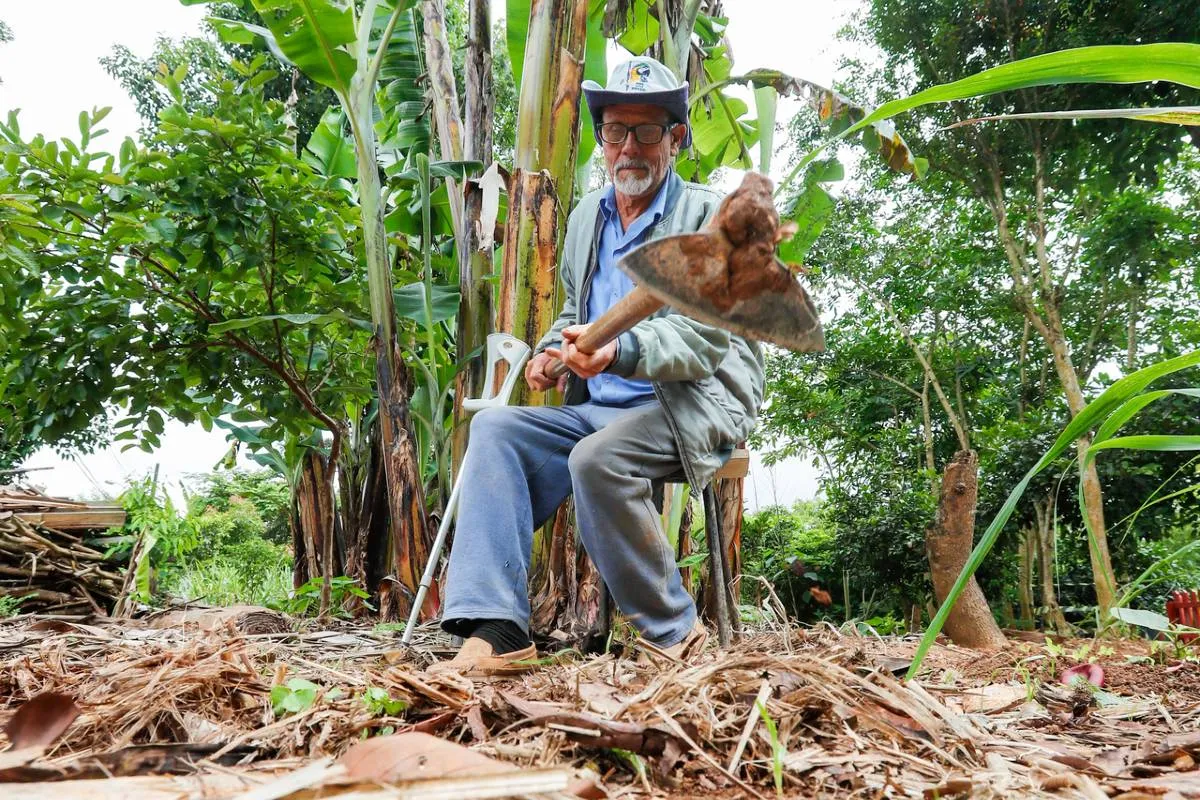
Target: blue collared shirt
<point x="610" y="284"/>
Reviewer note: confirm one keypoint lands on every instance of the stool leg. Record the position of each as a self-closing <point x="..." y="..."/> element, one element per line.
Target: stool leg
<point x="604" y="616"/>
<point x="716" y="562"/>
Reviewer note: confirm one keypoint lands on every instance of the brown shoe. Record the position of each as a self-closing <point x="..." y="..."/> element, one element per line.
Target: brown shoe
<point x="477" y="660"/>
<point x="684" y="650"/>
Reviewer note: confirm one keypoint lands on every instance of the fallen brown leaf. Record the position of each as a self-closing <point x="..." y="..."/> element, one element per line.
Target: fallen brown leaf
<point x="41" y="720"/>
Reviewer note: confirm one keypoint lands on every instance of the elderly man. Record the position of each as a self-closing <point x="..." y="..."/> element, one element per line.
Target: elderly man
<point x="670" y="395"/>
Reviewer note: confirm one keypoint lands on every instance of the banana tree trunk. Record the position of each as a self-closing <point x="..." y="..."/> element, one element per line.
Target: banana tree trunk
<point x="408" y="523"/>
<point x="540" y="191"/>
<point x="360" y="487"/>
<point x="315" y="553"/>
<point x="730" y="499"/>
<point x="474" y="265"/>
<point x="447" y="123"/>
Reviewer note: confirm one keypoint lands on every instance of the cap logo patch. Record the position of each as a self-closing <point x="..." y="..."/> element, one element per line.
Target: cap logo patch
<point x="639" y="77"/>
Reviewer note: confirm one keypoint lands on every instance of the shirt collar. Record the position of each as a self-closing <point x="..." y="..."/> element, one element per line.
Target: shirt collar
<point x="608" y="203"/>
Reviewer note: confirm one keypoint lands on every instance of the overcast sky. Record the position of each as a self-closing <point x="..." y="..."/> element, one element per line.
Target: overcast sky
<point x="51" y="71"/>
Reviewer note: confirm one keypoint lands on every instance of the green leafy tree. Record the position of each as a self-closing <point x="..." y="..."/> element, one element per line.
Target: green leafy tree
<point x="1036" y="178"/>
<point x="241" y="524"/>
<point x="794" y="549"/>
<point x="201" y="61"/>
<point x="205" y="277"/>
<point x="264" y="490"/>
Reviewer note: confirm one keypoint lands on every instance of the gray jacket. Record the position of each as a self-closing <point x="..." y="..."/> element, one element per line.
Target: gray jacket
<point x="709" y="381"/>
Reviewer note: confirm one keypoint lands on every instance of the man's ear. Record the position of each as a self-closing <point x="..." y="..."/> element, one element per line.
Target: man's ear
<point x="677" y="134"/>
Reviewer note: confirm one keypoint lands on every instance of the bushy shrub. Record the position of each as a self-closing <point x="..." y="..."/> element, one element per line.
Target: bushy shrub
<point x="793" y="548"/>
<point x="241" y="528"/>
<point x="263" y="490"/>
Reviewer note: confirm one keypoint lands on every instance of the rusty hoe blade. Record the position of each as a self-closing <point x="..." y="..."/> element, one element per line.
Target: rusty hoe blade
<point x="703" y="276"/>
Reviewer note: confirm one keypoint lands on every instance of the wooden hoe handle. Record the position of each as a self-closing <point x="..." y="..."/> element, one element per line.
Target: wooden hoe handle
<point x="629" y="311"/>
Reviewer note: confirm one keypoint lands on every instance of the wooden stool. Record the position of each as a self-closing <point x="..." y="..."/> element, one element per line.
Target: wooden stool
<point x="738" y="466"/>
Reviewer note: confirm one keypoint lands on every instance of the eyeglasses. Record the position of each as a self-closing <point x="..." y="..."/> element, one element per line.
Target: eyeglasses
<point x="646" y="133"/>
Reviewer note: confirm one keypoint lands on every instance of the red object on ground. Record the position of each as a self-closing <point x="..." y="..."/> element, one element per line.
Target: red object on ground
<point x="1092" y="673"/>
<point x="1183" y="608"/>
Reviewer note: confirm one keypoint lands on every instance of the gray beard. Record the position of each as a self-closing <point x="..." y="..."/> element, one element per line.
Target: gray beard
<point x="630" y="185"/>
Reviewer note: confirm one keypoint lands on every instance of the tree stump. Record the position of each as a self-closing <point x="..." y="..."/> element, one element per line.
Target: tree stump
<point x="948" y="544"/>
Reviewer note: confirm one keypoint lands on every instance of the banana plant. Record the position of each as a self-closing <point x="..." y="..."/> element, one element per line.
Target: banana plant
<point x="346" y="46"/>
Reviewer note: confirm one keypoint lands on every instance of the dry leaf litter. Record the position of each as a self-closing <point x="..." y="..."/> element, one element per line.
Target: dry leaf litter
<point x="189" y="694"/>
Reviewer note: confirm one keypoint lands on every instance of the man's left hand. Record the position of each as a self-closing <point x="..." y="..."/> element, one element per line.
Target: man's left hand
<point x="583" y="364"/>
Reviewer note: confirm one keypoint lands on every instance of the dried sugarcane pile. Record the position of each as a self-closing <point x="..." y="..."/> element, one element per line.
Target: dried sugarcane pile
<point x="44" y="560"/>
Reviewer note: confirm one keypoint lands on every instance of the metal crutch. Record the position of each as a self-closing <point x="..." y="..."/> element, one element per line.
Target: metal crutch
<point x="499" y="346"/>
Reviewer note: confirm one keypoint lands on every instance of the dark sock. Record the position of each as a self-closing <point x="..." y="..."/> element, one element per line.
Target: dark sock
<point x="505" y="636"/>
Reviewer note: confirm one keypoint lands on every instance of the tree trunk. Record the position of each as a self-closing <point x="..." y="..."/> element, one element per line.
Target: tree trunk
<point x="439" y="72"/>
<point x="407" y="521"/>
<point x="1026" y="553"/>
<point x="566" y="600"/>
<point x="474" y="265"/>
<point x="529" y="301"/>
<point x="949" y="543"/>
<point x="1051" y="611"/>
<point x="1047" y="319"/>
<point x="1093" y="498"/>
<point x="730" y="498"/>
<point x="360" y="484"/>
<point x="314" y="515"/>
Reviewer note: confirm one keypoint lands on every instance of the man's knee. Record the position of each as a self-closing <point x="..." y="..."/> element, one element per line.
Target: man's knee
<point x="498" y="421"/>
<point x="588" y="461"/>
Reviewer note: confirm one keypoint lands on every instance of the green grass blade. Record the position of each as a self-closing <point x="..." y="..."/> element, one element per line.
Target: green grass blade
<point x="1168" y="115"/>
<point x="1132" y="407"/>
<point x="1139" y="63"/>
<point x="1159" y="442"/>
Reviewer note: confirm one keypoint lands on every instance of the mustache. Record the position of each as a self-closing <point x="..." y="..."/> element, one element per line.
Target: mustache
<point x="631" y="163"/>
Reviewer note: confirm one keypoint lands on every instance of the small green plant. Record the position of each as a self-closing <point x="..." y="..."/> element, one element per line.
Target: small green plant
<point x="636" y="763"/>
<point x="10" y="605"/>
<point x="886" y="625"/>
<point x="308" y="597"/>
<point x="778" y="751"/>
<point x="1027" y="678"/>
<point x="294" y="696"/>
<point x="155" y="535"/>
<point x="1053" y="653"/>
<point x="381" y="704"/>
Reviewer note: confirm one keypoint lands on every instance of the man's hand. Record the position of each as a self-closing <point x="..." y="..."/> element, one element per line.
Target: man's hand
<point x="584" y="365"/>
<point x="535" y="373"/>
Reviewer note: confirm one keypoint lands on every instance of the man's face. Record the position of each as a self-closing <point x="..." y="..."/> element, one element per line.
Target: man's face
<point x="637" y="169"/>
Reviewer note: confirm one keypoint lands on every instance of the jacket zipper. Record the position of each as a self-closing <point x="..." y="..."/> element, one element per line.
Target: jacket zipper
<point x="683" y="459"/>
<point x="593" y="265"/>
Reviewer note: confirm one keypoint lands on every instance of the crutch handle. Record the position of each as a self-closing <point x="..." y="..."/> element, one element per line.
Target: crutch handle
<point x="510" y="349"/>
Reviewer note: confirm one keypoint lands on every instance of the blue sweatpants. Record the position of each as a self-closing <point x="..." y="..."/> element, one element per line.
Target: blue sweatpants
<point x="520" y="466"/>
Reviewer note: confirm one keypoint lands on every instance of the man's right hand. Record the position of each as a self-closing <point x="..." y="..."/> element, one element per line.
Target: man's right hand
<point x="536" y="377"/>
